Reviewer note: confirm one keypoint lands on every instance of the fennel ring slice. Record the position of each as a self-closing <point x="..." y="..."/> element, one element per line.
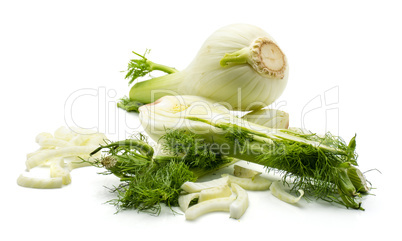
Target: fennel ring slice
<point x="267" y="58"/>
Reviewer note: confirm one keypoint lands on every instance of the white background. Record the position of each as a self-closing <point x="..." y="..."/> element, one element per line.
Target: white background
<point x="345" y="75"/>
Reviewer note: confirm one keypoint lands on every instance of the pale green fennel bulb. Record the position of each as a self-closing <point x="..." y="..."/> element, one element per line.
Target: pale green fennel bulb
<point x="240" y="66"/>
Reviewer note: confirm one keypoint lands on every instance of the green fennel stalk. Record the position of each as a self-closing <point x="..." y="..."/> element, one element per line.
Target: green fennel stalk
<point x="321" y="172"/>
<point x="138" y="68"/>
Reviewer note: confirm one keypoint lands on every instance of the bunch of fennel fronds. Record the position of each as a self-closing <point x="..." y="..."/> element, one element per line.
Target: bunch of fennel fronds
<point x="149" y="180"/>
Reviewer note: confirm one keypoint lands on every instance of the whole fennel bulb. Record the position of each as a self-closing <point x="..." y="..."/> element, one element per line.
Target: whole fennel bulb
<point x="240" y="66"/>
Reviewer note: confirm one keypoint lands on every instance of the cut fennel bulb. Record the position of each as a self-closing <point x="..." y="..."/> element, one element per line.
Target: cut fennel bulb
<point x="216" y="192"/>
<point x="318" y="164"/>
<point x="240" y="205"/>
<point x="257" y="183"/>
<point x="192" y="187"/>
<point x="214" y="205"/>
<point x="278" y="191"/>
<point x="239" y="65"/>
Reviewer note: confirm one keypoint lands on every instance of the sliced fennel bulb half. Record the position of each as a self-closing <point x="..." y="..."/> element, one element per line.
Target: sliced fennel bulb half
<point x="240" y="65"/>
<point x="321" y="165"/>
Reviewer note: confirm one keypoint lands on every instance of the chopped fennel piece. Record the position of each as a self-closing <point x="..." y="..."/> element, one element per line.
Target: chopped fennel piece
<point x="46" y="140"/>
<point x="40" y="150"/>
<point x="214" y="192"/>
<point x="64" y="133"/>
<point x="76" y="162"/>
<point x="43" y="136"/>
<point x="240" y="171"/>
<point x="42" y="183"/>
<point x="59" y="169"/>
<point x="80" y="140"/>
<point x="213" y="205"/>
<point x="96" y="139"/>
<point x="69" y="133"/>
<point x="240" y="205"/>
<point x="185" y="200"/>
<point x="42" y="157"/>
<point x="278" y="191"/>
<point x="88" y="139"/>
<point x="192" y="187"/>
<point x="54" y="142"/>
<point x="257" y="184"/>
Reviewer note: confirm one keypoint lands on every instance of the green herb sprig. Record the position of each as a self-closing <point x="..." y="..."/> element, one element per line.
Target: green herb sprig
<point x="148" y="181"/>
